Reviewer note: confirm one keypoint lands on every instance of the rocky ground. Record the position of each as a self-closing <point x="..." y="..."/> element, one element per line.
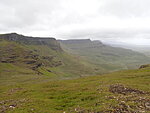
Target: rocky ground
<point x="130" y="100"/>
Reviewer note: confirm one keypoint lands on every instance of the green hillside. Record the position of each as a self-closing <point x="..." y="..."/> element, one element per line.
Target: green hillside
<point x="38" y="75"/>
<point x="29" y="56"/>
<point x="105" y="57"/>
<point x="118" y="92"/>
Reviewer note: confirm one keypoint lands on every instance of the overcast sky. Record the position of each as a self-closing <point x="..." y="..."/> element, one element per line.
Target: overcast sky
<point x="110" y="20"/>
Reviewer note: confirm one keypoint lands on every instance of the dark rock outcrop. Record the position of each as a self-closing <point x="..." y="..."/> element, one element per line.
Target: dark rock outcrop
<point x="144" y="66"/>
<point x="37" y="66"/>
<point x="73" y="41"/>
<point x="82" y="43"/>
<point x="49" y="41"/>
<point x="121" y="89"/>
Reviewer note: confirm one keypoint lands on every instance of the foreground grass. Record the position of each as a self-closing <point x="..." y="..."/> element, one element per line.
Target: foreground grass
<point x="87" y="94"/>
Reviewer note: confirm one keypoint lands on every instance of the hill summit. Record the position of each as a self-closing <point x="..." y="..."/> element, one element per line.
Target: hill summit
<point x="49" y="41"/>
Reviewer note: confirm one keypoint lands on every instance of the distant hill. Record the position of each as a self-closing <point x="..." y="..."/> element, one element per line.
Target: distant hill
<point x="145" y="49"/>
<point x="37" y="55"/>
<point x="33" y="73"/>
<point x="106" y="57"/>
<point x="49" y="41"/>
<point x="64" y="58"/>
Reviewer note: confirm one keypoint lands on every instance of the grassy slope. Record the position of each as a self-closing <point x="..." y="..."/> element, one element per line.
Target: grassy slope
<point x="84" y="94"/>
<point x="107" y="58"/>
<point x="71" y="66"/>
<point x="22" y="90"/>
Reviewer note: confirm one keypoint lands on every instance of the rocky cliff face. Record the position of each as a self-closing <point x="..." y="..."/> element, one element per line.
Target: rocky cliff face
<point x="145" y="66"/>
<point x="82" y="43"/>
<point x="51" y="42"/>
<point x="76" y="41"/>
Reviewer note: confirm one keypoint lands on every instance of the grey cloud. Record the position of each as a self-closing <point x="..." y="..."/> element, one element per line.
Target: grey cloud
<point x="126" y="8"/>
<point x="108" y="34"/>
<point x="77" y="18"/>
<point x="24" y="13"/>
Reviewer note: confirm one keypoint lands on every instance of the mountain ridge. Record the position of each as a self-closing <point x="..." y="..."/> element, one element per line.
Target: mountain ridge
<point x="52" y="42"/>
<point x="100" y="57"/>
<point x="105" y="55"/>
<point x="43" y="56"/>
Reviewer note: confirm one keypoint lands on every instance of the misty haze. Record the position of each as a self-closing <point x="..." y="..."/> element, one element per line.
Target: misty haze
<point x="75" y="56"/>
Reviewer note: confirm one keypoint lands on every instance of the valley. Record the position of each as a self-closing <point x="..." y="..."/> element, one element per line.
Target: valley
<point x="106" y="57"/>
<point x="46" y="75"/>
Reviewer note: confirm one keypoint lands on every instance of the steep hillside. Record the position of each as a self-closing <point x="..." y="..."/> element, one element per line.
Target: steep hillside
<point x="51" y="42"/>
<point x="119" y="92"/>
<point x="105" y="57"/>
<point x="42" y="56"/>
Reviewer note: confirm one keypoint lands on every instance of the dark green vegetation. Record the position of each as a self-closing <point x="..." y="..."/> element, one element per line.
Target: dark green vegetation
<point x="32" y="73"/>
<point x="105" y="57"/>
